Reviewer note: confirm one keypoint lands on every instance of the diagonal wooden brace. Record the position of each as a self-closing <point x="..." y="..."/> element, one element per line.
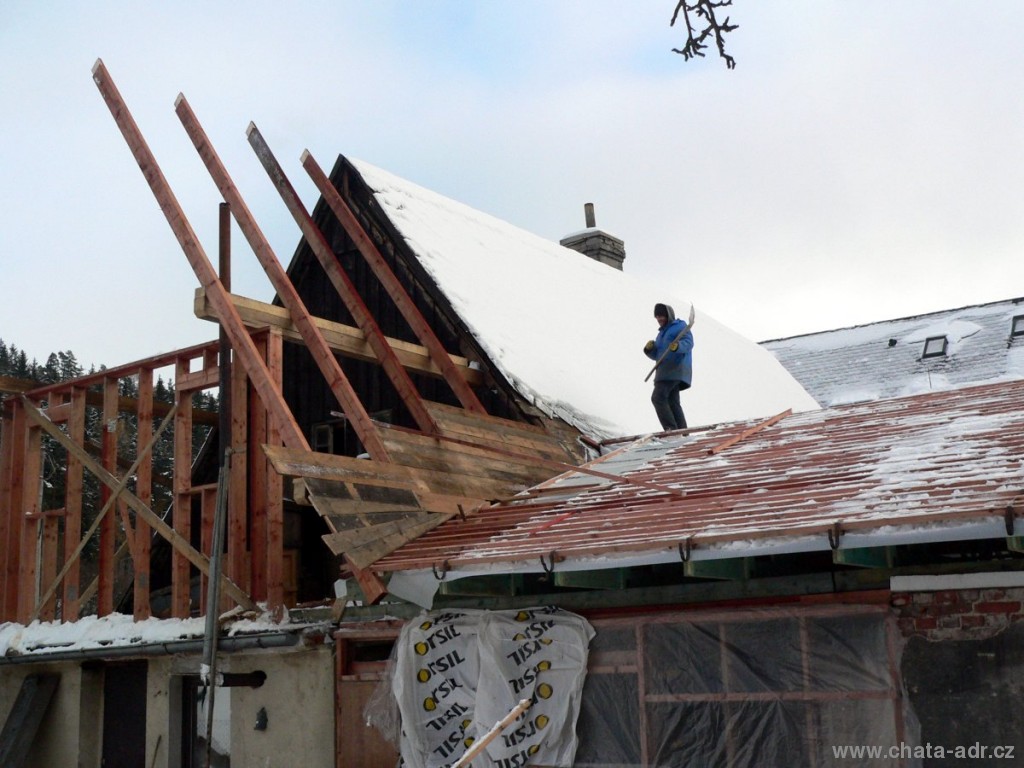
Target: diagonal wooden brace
<point x="121" y="486"/>
<point x="198" y="559"/>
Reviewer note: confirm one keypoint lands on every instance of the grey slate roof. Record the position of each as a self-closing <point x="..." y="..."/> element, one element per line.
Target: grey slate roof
<point x="885" y="359"/>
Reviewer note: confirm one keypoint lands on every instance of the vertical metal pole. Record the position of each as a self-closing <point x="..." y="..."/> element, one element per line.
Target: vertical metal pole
<point x="225" y="344"/>
<point x="209" y="667"/>
<point x="219" y="516"/>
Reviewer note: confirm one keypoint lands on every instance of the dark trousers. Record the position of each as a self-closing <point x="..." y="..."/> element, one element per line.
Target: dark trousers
<point x="666" y="404"/>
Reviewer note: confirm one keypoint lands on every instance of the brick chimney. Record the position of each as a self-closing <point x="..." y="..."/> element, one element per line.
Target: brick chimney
<point x="598" y="245"/>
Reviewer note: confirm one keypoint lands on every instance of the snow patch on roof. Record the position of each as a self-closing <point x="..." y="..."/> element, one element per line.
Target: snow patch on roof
<point x="117" y="631"/>
<point x="566" y="331"/>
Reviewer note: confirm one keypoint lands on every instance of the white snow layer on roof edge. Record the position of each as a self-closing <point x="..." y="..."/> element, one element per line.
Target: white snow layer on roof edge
<point x="567" y="331"/>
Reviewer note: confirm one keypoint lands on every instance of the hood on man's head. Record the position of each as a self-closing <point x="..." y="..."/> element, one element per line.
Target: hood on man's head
<point x="664" y="310"/>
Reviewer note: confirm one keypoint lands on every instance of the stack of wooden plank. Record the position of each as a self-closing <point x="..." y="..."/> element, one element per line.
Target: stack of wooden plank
<point x="374" y="507"/>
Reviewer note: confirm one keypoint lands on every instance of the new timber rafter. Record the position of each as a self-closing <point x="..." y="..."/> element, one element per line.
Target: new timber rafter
<point x="244" y="347"/>
<point x="242" y="344"/>
<point x="343" y="285"/>
<point x="391" y="284"/>
<point x="311" y="335"/>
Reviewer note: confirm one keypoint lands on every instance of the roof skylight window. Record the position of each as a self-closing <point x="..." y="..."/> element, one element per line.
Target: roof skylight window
<point x="935" y="346"/>
<point x="1017" y="327"/>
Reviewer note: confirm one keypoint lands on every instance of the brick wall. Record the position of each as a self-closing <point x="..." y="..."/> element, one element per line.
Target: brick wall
<point x="958" y="614"/>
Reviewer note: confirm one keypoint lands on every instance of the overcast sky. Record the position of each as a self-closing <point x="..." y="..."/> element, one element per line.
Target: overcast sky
<point x="864" y="161"/>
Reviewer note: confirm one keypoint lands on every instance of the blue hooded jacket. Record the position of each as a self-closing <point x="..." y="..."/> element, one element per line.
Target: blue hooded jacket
<point x="678" y="365"/>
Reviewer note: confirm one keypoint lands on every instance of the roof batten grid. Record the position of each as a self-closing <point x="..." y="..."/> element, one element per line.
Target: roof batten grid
<point x="927" y="461"/>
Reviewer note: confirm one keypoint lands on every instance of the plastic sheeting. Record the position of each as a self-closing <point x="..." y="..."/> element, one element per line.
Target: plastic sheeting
<point x="746" y="689"/>
<point x="458" y="672"/>
<point x="738" y="688"/>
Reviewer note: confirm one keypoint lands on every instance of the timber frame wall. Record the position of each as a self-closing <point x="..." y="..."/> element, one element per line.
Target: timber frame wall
<point x="437" y="461"/>
<point x="43" y="573"/>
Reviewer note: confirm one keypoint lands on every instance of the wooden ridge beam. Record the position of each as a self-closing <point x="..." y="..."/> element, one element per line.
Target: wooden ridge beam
<point x="240" y="341"/>
<point x="342" y="284"/>
<point x="345" y="340"/>
<point x="321" y="353"/>
<point x="198" y="559"/>
<point x="389" y="281"/>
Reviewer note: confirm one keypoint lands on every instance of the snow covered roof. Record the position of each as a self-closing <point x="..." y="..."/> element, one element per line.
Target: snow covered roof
<point x="943" y="466"/>
<point x="566" y="331"/>
<point x="886" y="359"/>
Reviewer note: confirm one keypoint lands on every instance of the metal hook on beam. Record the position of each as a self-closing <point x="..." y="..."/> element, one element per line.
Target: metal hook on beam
<point x="684" y="553"/>
<point x="834" y="533"/>
<point x="548" y="569"/>
<point x="1008" y="519"/>
<point x="444" y="571"/>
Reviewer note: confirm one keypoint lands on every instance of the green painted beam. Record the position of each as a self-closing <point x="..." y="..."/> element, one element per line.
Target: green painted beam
<point x="730" y="569"/>
<point x="605" y="578"/>
<point x="499" y="585"/>
<point x="865" y="557"/>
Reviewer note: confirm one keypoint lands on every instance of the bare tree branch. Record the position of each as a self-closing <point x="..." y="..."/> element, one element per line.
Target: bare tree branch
<point x="701" y="14"/>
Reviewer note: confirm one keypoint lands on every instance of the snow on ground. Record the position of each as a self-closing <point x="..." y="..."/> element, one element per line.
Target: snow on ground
<point x="567" y="331"/>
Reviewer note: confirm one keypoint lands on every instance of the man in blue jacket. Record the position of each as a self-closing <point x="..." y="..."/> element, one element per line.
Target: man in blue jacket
<point x="672" y="349"/>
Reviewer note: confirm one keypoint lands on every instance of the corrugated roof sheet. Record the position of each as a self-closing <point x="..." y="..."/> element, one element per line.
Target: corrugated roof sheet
<point x="920" y="466"/>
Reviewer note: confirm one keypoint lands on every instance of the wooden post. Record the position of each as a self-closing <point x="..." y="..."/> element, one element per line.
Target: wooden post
<point x="7" y="509"/>
<point x="50" y="523"/>
<point x="144" y="490"/>
<point x="73" y="507"/>
<point x="258" y="497"/>
<point x="311" y="335"/>
<point x="108" y="453"/>
<point x="14" y="436"/>
<point x="275" y="489"/>
<point x="390" y="282"/>
<point x="238" y="494"/>
<point x="219" y="298"/>
<point x="30" y="510"/>
<point x="397" y="374"/>
<point x="181" y="590"/>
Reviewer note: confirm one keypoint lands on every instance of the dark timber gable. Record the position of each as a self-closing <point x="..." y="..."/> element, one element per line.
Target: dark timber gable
<point x="305" y="389"/>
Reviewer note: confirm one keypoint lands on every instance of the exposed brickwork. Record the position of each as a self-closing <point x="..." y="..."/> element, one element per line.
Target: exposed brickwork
<point x="949" y="614"/>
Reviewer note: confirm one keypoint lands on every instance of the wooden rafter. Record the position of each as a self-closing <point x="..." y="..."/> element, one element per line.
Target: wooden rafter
<point x="231" y="322"/>
<point x="311" y="335"/>
<point x="343" y="285"/>
<point x="391" y="284"/>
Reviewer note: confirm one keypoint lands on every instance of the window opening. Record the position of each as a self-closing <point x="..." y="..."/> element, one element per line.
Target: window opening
<point x="1017" y="327"/>
<point x="935" y="346"/>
